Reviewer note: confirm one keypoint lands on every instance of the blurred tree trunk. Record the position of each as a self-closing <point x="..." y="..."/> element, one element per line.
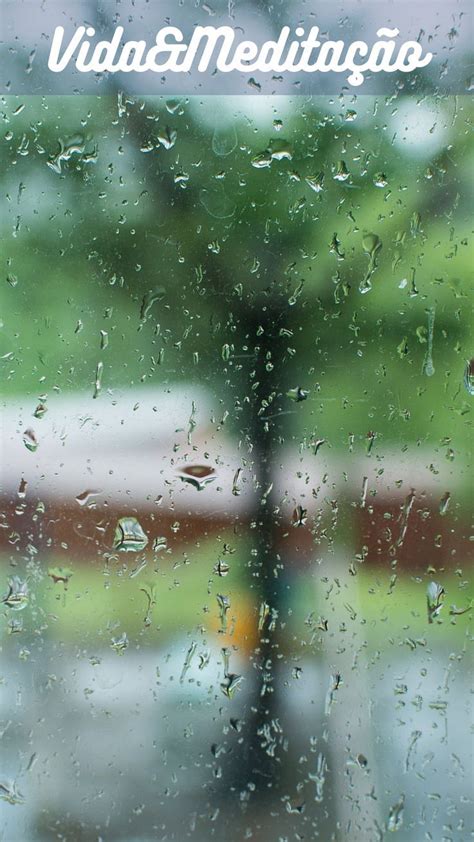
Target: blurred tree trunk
<point x="255" y="760"/>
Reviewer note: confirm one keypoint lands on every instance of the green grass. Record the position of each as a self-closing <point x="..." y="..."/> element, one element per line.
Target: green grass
<point x="101" y="602"/>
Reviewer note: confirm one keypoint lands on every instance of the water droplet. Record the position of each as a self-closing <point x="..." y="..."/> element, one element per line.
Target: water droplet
<point x="216" y="201"/>
<point x="120" y="644"/>
<point x="86" y="497"/>
<point x="129" y="536"/>
<point x="395" y="816"/>
<point x="434" y="599"/>
<point x="230" y="685"/>
<point x="18" y="596"/>
<point x="340" y="171"/>
<point x="300" y="516"/>
<point x="317" y="445"/>
<point x="160" y="544"/>
<point x="380" y="180"/>
<point x="297" y="394"/>
<point x="221" y="568"/>
<point x="41" y="409"/>
<point x="262" y="160"/>
<point x="315" y="182"/>
<point x="469" y="377"/>
<point x="75" y="145"/>
<point x="198" y="476"/>
<point x="224" y="140"/>
<point x="168" y="138"/>
<point x="60" y="574"/>
<point x="173" y="106"/>
<point x="371" y="244"/>
<point x="30" y="441"/>
<point x="280" y="150"/>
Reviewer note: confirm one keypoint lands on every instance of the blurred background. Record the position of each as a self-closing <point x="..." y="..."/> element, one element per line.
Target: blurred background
<point x="236" y="407"/>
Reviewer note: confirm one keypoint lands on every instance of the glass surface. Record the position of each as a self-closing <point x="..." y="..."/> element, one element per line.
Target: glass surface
<point x="237" y="392"/>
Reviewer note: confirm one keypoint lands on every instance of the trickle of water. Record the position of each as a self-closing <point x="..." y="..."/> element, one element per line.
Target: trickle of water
<point x="30" y="441"/>
<point x="428" y="367"/>
<point x="98" y="379"/>
<point x="10" y="793"/>
<point x="469" y="377"/>
<point x="199" y="476"/>
<point x="334" y="684"/>
<point x="236" y="483"/>
<point x="415" y="224"/>
<point x="129" y="536"/>
<point x="120" y="644"/>
<point x="187" y="661"/>
<point x="363" y="497"/>
<point x="319" y="777"/>
<point x="263" y="615"/>
<point x="150" y="593"/>
<point x="434" y="600"/>
<point x="224" y="605"/>
<point x="444" y="503"/>
<point x="395" y="815"/>
<point x="18" y="595"/>
<point x="149" y="299"/>
<point x="372" y="245"/>
<point x="224" y="140"/>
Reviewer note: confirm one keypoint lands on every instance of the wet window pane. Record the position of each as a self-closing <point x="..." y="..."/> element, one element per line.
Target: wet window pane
<point x="237" y="390"/>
